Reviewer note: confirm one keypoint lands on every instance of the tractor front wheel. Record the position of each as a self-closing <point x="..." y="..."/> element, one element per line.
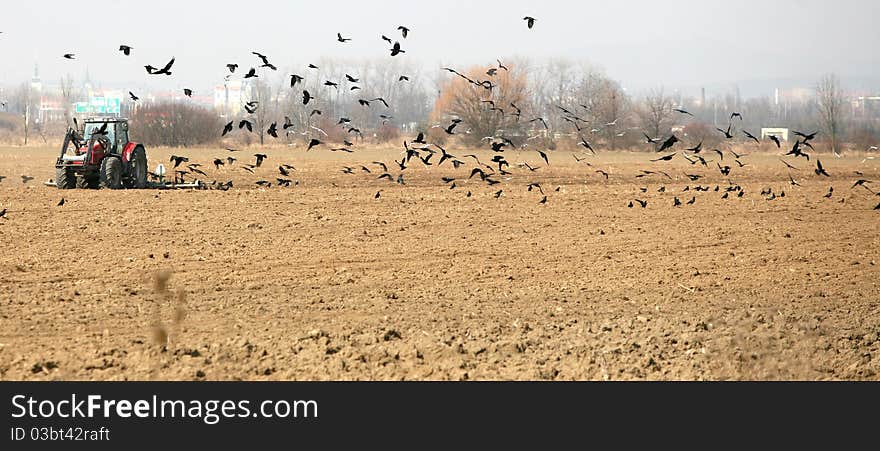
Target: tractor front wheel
<point x="65" y="179"/>
<point x="111" y="173"/>
<point x="87" y="182"/>
<point x="139" y="168"/>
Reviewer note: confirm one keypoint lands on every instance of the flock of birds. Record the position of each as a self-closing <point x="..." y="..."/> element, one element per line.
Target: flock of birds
<point x="491" y="172"/>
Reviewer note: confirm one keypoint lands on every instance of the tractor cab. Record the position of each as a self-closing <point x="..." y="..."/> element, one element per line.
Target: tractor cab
<point x="115" y="132"/>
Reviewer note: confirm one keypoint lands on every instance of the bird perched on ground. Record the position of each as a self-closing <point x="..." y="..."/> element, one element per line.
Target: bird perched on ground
<point x="62" y="202"/>
<point x="3" y="214"/>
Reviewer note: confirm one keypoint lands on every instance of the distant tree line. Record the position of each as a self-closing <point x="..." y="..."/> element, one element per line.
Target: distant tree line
<point x="555" y="104"/>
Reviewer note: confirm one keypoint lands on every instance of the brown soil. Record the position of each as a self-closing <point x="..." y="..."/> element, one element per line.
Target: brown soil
<point x="322" y="281"/>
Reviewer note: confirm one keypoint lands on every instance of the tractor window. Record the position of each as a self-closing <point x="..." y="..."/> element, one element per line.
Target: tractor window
<point x="122" y="135"/>
<point x="92" y="127"/>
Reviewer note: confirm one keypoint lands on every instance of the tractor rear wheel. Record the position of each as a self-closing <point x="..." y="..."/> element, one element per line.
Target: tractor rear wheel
<point x="65" y="179"/>
<point x="111" y="173"/>
<point x="138" y="168"/>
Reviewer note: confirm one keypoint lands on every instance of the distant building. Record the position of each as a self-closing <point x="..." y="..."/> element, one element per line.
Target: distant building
<point x="229" y="97"/>
<point x="866" y="106"/>
<point x="781" y="133"/>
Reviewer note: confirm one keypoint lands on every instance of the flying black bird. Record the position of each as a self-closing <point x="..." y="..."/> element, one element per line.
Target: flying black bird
<point x="864" y="184"/>
<point x="341" y="39"/>
<point x="544" y="157"/>
<point x="775" y="139"/>
<point x="396" y="50"/>
<point x="696" y="149"/>
<point x="266" y="62"/>
<point x="294" y="79"/>
<point x="543" y="122"/>
<point x="178" y="160"/>
<point x="530" y="21"/>
<point x="252" y="73"/>
<point x="685" y="112"/>
<point x="650" y="139"/>
<point x="668" y="143"/>
<point x="666" y="158"/>
<point x="165" y="70"/>
<point x="726" y="133"/>
<point x="246" y="123"/>
<point x="736" y="115"/>
<point x="820" y="170"/>
<point x="125" y="49"/>
<point x="260" y="157"/>
<point x="788" y="165"/>
<point x="313" y="143"/>
<point x="307" y="97"/>
<point x="232" y="67"/>
<point x="403" y="78"/>
<point x="807" y="137"/>
<point x="404" y="31"/>
<point x="273" y="130"/>
<point x="228" y="128"/>
<point x="187" y="92"/>
<point x="70" y="56"/>
<point x="752" y="137"/>
<point x="134" y="98"/>
<point x="387" y="39"/>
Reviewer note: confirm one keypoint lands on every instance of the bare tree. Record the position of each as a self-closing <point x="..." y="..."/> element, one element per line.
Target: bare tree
<point x="829" y="98"/>
<point x="655" y="113"/>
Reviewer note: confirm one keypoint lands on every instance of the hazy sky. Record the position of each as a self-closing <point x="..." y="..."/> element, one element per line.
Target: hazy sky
<point x="642" y="43"/>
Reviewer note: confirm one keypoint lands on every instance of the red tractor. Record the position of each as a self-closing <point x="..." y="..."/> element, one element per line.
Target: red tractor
<point x="101" y="157"/>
